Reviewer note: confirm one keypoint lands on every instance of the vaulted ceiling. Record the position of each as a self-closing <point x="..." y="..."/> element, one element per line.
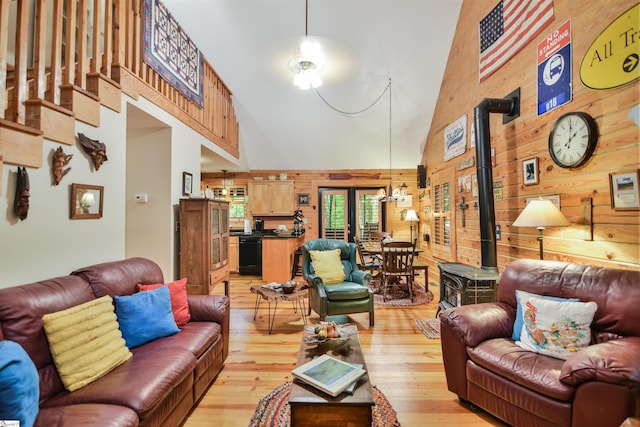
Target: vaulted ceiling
<point x="367" y="44"/>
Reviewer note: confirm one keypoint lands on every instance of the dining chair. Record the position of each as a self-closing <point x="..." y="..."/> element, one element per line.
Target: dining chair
<point x="396" y="267"/>
<point x="368" y="261"/>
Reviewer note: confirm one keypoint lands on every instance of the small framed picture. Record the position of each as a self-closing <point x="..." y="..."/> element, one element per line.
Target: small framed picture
<point x="625" y="193"/>
<point x="187" y="184"/>
<point x="303" y="199"/>
<point x="530" y="171"/>
<point x="86" y="201"/>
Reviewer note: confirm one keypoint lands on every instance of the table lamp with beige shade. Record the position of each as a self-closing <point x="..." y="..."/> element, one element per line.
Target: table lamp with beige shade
<point x="541" y="213"/>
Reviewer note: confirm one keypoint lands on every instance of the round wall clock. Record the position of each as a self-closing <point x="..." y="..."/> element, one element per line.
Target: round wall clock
<point x="573" y="139"/>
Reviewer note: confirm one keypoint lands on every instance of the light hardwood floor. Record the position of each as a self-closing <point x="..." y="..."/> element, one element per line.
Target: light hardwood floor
<point x="402" y="363"/>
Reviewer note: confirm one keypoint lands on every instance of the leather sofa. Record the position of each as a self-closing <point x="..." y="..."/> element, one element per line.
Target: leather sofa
<point x="596" y="386"/>
<point x="158" y="386"/>
<point x="349" y="296"/>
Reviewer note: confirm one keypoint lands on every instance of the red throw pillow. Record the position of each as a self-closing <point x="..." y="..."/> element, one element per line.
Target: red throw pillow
<point x="178" y="293"/>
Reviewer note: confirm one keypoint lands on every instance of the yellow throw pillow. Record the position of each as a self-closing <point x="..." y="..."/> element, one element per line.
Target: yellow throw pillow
<point x="328" y="266"/>
<point x="85" y="342"/>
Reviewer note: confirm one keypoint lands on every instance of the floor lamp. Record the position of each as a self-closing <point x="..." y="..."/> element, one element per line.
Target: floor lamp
<point x="411" y="217"/>
<point x="541" y="213"/>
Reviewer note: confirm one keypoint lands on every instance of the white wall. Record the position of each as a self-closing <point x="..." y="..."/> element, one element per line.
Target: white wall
<point x="148" y="225"/>
<point x="49" y="244"/>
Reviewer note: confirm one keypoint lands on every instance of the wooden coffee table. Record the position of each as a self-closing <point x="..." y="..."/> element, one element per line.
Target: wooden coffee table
<point x="312" y="407"/>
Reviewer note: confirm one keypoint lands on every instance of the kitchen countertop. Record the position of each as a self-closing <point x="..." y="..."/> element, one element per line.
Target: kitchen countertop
<point x="266" y="236"/>
<point x="288" y="236"/>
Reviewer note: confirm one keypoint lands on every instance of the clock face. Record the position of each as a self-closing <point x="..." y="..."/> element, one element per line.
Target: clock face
<point x="573" y="139"/>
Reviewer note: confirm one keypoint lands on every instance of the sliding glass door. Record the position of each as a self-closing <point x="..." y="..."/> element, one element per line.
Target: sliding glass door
<point x="347" y="211"/>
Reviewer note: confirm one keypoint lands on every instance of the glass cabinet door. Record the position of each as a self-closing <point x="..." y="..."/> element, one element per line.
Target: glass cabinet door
<point x="215" y="250"/>
<point x="215" y="219"/>
<point x="224" y="221"/>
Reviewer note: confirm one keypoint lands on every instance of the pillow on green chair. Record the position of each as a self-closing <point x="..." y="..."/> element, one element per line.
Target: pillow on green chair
<point x="328" y="265"/>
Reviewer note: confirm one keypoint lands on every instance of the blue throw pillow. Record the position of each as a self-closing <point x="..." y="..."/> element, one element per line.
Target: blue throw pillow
<point x="145" y="316"/>
<point x="19" y="385"/>
<point x="517" y="326"/>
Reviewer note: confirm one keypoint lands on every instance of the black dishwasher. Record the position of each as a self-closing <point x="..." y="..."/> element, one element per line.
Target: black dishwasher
<point x="250" y="260"/>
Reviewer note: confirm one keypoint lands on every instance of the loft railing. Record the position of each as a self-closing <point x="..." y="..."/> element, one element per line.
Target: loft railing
<point x="63" y="56"/>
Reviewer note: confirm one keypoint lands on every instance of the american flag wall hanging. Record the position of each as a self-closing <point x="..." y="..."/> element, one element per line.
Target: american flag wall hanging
<point x="507" y="28"/>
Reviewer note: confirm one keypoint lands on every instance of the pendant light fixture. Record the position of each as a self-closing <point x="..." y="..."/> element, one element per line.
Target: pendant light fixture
<point x="392" y="194"/>
<point x="224" y="182"/>
<point x="308" y="60"/>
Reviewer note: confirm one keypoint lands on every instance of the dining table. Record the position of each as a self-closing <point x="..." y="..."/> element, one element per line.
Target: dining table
<point x="374" y="248"/>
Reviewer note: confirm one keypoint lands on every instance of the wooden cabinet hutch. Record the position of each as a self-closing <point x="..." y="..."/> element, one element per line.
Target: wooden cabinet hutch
<point x="204" y="244"/>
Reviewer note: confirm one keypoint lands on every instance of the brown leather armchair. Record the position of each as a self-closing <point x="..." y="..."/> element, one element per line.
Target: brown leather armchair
<point x="350" y="296"/>
<point x="598" y="386"/>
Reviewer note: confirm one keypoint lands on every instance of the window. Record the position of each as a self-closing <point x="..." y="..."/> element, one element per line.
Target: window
<point x="443" y="233"/>
<point x="236" y="198"/>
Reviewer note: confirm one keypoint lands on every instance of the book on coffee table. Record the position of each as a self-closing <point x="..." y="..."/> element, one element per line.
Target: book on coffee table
<point x="352" y="387"/>
<point x="328" y="374"/>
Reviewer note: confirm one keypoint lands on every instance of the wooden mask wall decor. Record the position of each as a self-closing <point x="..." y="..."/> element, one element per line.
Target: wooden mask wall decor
<point x="96" y="149"/>
<point x="21" y="201"/>
<point x="60" y="160"/>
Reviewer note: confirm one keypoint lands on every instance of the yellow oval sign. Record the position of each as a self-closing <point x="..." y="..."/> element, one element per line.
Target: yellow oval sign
<point x="613" y="59"/>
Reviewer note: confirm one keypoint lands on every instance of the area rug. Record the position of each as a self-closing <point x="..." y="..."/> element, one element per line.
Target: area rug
<point x="429" y="327"/>
<point x="171" y="53"/>
<point x="273" y="409"/>
<point x="400" y="297"/>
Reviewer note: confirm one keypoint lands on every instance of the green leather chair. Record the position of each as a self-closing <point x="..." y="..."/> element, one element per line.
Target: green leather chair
<point x="351" y="296"/>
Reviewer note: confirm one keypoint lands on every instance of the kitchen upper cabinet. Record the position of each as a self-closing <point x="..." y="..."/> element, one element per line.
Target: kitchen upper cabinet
<point x="271" y="198"/>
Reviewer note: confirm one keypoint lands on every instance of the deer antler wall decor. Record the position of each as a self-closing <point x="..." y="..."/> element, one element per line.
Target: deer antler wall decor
<point x="60" y="160"/>
<point x="96" y="149"/>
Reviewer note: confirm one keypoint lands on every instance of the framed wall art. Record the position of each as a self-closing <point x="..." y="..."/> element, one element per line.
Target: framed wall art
<point x="530" y="171"/>
<point x="303" y="199"/>
<point x="625" y="193"/>
<point x="187" y="184"/>
<point x="86" y="201"/>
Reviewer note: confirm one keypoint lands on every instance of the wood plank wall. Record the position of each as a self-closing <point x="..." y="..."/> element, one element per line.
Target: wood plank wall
<point x="615" y="233"/>
<point x="308" y="182"/>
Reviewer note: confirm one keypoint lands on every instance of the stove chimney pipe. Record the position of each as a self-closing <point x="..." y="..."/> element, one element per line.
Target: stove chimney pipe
<point x="485" y="176"/>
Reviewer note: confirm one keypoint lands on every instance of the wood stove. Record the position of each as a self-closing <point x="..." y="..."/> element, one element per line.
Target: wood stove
<point x="462" y="284"/>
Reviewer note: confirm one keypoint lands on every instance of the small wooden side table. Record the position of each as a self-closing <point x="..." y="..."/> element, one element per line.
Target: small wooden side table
<point x="296" y="297"/>
<point x="417" y="266"/>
